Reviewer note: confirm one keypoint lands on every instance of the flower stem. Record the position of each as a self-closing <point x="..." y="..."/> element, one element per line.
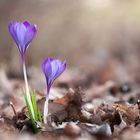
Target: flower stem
<point x="45" y="111"/>
<point x="27" y="90"/>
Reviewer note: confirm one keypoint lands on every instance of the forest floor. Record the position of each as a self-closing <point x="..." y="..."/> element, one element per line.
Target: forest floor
<point x="100" y="104"/>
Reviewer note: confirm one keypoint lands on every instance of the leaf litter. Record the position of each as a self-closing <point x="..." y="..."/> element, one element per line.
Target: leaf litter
<point x="98" y="106"/>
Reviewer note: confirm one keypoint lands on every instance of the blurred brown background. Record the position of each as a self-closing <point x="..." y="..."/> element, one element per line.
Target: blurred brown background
<point x="84" y="32"/>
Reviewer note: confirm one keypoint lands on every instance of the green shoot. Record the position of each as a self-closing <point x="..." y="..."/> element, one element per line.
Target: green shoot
<point x="38" y="116"/>
<point x="37" y="112"/>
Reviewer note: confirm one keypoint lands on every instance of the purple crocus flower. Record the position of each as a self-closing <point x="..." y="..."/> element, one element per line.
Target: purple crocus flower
<point x="52" y="69"/>
<point x="22" y="33"/>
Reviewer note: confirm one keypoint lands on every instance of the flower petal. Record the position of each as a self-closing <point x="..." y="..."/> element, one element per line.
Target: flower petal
<point x="61" y="70"/>
<point x="30" y="34"/>
<point x="26" y="23"/>
<point x="47" y="69"/>
<point x="12" y="32"/>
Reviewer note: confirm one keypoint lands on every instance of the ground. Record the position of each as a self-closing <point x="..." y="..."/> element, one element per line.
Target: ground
<point x="92" y="105"/>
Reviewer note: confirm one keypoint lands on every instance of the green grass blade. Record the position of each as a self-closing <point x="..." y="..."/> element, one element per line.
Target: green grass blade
<point x="34" y="103"/>
<point x="37" y="112"/>
<point x="30" y="113"/>
<point x="39" y="116"/>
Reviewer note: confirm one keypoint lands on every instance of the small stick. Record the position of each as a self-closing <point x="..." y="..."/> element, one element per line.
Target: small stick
<point x="138" y="104"/>
<point x="14" y="110"/>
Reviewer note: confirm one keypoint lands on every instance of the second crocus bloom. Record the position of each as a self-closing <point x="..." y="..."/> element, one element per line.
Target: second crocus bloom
<point x="52" y="69"/>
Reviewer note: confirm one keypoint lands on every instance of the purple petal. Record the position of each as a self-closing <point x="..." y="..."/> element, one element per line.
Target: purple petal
<point x="20" y="31"/>
<point x="55" y="67"/>
<point x="26" y="23"/>
<point x="30" y="34"/>
<point x="61" y="70"/>
<point x="47" y="69"/>
<point x="12" y="32"/>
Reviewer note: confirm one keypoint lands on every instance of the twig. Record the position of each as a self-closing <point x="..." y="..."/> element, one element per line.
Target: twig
<point x="14" y="110"/>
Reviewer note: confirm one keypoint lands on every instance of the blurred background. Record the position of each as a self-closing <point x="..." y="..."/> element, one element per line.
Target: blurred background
<point x="99" y="39"/>
<point x="87" y="33"/>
